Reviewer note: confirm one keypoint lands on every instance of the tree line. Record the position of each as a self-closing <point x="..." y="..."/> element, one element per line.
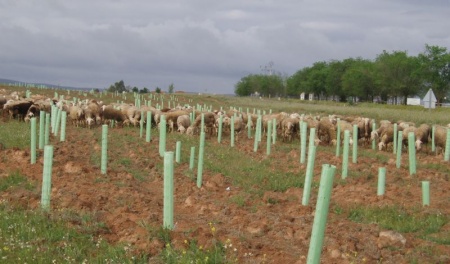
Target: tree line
<point x="121" y="87"/>
<point x="390" y="75"/>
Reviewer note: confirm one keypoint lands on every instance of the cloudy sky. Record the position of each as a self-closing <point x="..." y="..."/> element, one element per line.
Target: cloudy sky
<point x="203" y="45"/>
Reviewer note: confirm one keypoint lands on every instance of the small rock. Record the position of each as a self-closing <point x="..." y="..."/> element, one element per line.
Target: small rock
<point x="390" y="238"/>
<point x="335" y="253"/>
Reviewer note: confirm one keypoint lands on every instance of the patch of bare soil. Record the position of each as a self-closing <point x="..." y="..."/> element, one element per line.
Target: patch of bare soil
<point x="275" y="229"/>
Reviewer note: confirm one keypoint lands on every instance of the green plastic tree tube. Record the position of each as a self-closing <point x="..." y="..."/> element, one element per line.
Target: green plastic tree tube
<point x="381" y="181"/>
<point x="321" y="214"/>
<point x="63" y="126"/>
<point x="249" y="126"/>
<point x="274" y="131"/>
<point x="338" y="138"/>
<point x="399" y="149"/>
<point x="255" y="144"/>
<point x="41" y="129"/>
<point x="312" y="136"/>
<point x="412" y="153"/>
<point x="202" y="123"/>
<point x="232" y="131"/>
<point x="345" y="154"/>
<point x="58" y="121"/>
<point x="148" y="127"/>
<point x="309" y="175"/>
<point x="53" y="118"/>
<point x="395" y="145"/>
<point x="355" y="144"/>
<point x="201" y="152"/>
<point x="259" y="128"/>
<point x="425" y="193"/>
<point x="219" y="133"/>
<point x="168" y="191"/>
<point x="191" y="158"/>
<point x="33" y="140"/>
<point x="141" y="125"/>
<point x="104" y="157"/>
<point x="162" y="135"/>
<point x="447" y="146"/>
<point x="303" y="130"/>
<point x="374" y="127"/>
<point x="269" y="137"/>
<point x="47" y="177"/>
<point x="47" y="129"/>
<point x="433" y="144"/>
<point x="178" y="152"/>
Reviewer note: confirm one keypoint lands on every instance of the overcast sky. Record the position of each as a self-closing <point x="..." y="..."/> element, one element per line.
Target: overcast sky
<point x="203" y="45"/>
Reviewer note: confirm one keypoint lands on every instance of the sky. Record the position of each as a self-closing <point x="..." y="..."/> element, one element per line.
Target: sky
<point x="203" y="46"/>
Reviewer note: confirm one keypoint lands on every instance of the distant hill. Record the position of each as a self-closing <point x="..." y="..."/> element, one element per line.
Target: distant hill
<point x="8" y="81"/>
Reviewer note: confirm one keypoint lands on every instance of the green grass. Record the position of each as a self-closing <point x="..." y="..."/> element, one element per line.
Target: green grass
<point x="399" y="219"/>
<point x="15" y="179"/>
<point x="37" y="237"/>
<point x="16" y="134"/>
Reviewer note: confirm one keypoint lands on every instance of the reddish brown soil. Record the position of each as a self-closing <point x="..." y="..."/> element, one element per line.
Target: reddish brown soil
<point x="260" y="231"/>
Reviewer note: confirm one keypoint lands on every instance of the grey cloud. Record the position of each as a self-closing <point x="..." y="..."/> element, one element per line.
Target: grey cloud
<point x="202" y="45"/>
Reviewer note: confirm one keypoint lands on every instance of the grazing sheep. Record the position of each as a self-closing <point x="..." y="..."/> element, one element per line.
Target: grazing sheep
<point x="344" y="125"/>
<point x="326" y="131"/>
<point x="183" y="122"/>
<point x="386" y="137"/>
<point x="440" y="138"/>
<point x="92" y="113"/>
<point x="403" y="124"/>
<point x="17" y="108"/>
<point x="109" y="113"/>
<point x="76" y="115"/>
<point x="172" y="118"/>
<point x="422" y="134"/>
<point x="287" y="128"/>
<point x="209" y="121"/>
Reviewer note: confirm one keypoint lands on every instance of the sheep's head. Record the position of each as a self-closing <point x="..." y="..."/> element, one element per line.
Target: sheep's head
<point x="317" y="141"/>
<point x="181" y="129"/>
<point x="418" y="144"/>
<point x="334" y="142"/>
<point x="373" y="135"/>
<point x="381" y="146"/>
<point x="89" y="121"/>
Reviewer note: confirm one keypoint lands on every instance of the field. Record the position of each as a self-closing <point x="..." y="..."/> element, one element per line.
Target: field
<point x="248" y="209"/>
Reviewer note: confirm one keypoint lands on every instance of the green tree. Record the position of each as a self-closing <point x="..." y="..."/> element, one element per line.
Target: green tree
<point x="171" y="88"/>
<point x="398" y="74"/>
<point x="334" y="78"/>
<point x="135" y="90"/>
<point x="117" y="87"/>
<point x="435" y="68"/>
<point x="317" y="77"/>
<point x="157" y="90"/>
<point x="144" y="90"/>
<point x="267" y="85"/>
<point x="358" y="80"/>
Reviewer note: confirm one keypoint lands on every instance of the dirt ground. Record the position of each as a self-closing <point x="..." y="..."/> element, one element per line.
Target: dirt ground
<point x="260" y="231"/>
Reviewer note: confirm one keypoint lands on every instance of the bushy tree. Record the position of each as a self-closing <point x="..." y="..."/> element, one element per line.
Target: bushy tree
<point x="157" y="90"/>
<point x="435" y="70"/>
<point x="117" y="87"/>
<point x="171" y="88"/>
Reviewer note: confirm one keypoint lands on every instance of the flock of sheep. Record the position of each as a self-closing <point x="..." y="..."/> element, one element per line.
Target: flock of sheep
<point x="184" y="119"/>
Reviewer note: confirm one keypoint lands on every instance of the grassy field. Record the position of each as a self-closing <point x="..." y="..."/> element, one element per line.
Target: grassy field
<point x="35" y="236"/>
